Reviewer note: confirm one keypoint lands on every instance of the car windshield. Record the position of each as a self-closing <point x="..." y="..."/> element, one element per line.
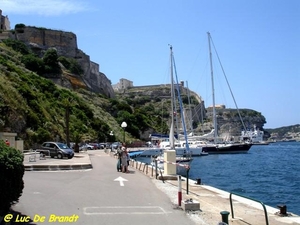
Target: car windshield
<point x="62" y="146"/>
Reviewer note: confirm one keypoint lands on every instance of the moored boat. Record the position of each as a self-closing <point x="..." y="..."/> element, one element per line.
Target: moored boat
<point x="217" y="147"/>
<point x="181" y="149"/>
<point x="254" y="136"/>
<point x="227" y="148"/>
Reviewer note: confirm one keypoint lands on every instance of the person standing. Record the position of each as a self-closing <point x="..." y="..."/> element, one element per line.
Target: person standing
<point x="128" y="159"/>
<point x="124" y="160"/>
<point x="119" y="157"/>
<point x="7" y="142"/>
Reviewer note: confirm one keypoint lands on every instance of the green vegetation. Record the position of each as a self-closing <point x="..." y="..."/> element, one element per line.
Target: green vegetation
<point x="71" y="65"/>
<point x="20" y="25"/>
<point x="11" y="179"/>
<point x="46" y="66"/>
<point x="282" y="131"/>
<point x="38" y="110"/>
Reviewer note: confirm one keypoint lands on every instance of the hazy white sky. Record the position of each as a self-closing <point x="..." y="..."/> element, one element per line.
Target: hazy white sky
<point x="257" y="42"/>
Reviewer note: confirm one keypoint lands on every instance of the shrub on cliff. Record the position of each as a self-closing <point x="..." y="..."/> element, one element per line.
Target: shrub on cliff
<point x="51" y="61"/>
<point x="18" y="46"/>
<point x="71" y="64"/>
<point x="11" y="176"/>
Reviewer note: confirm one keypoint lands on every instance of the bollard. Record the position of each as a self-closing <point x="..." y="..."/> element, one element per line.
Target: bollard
<point x="224" y="215"/>
<point x="156" y="170"/>
<point x="179" y="191"/>
<point x="187" y="181"/>
<point x="198" y="181"/>
<point x="282" y="209"/>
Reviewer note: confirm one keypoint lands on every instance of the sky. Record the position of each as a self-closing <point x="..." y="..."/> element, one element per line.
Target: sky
<point x="257" y="42"/>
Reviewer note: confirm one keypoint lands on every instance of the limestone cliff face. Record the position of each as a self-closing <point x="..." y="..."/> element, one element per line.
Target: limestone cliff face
<point x="228" y="120"/>
<point x="40" y="39"/>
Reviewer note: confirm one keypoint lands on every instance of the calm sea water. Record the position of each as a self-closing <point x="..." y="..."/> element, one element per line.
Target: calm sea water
<point x="268" y="173"/>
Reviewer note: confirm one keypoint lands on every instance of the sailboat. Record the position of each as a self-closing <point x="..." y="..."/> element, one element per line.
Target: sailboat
<point x="183" y="156"/>
<point x="182" y="147"/>
<point x="219" y="148"/>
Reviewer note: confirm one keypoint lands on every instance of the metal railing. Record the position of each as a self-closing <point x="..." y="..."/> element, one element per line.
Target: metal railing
<point x="43" y="155"/>
<point x="34" y="153"/>
<point x="263" y="205"/>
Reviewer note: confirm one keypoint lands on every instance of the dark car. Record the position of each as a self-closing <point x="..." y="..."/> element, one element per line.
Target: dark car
<point x="56" y="149"/>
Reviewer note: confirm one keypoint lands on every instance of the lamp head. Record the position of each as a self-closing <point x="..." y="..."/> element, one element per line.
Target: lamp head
<point x="124" y="125"/>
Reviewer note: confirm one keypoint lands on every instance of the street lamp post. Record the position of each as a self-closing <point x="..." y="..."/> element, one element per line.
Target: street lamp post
<point x="124" y="125"/>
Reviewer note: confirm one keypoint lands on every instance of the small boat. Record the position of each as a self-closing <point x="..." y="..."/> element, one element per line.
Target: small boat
<point x="149" y="152"/>
<point x="181" y="149"/>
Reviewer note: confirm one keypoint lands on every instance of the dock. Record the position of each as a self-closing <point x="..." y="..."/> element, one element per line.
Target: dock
<point x="214" y="203"/>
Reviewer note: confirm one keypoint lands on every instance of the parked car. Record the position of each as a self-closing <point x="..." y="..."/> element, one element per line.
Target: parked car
<point x="116" y="145"/>
<point x="85" y="147"/>
<point x="103" y="145"/>
<point x="149" y="144"/>
<point x="56" y="149"/>
<point x="108" y="145"/>
<point x="95" y="145"/>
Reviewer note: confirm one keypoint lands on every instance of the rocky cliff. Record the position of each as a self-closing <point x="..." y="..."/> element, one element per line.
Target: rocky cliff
<point x="228" y="120"/>
<point x="41" y="39"/>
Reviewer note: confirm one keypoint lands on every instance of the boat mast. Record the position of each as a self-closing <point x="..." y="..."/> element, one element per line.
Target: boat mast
<point x="181" y="107"/>
<point x="171" y="136"/>
<point x="190" y="110"/>
<point x="213" y="91"/>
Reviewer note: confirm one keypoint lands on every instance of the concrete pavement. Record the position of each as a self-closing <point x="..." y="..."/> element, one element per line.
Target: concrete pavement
<point x="212" y="201"/>
<point x="33" y="162"/>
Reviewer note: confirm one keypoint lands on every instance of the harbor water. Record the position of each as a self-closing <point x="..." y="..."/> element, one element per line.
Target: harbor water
<point x="268" y="173"/>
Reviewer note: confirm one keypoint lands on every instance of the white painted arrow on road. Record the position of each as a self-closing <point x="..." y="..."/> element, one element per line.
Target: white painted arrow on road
<point x="120" y="179"/>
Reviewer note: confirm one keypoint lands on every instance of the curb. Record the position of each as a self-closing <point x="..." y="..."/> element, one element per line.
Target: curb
<point x="57" y="167"/>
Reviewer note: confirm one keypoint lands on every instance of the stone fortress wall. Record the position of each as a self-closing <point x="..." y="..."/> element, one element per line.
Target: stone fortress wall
<point x="41" y="39"/>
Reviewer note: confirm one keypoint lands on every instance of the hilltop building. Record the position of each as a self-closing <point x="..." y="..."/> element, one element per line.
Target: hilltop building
<point x="4" y="22"/>
<point x="122" y="85"/>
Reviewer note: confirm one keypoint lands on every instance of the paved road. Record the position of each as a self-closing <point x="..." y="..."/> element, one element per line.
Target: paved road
<point x="97" y="196"/>
<point x="73" y="191"/>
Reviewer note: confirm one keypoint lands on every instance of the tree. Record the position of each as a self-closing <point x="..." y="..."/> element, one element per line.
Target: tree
<point x="11" y="176"/>
<point x="33" y="63"/>
<point x="68" y="104"/>
<point x="77" y="138"/>
<point x="71" y="64"/>
<point x="51" y="61"/>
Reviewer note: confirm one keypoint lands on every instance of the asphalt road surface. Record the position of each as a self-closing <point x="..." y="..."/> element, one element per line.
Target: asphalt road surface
<point x="98" y="196"/>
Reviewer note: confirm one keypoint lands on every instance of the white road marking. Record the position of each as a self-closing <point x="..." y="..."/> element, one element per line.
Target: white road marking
<point x="124" y="210"/>
<point x="121" y="180"/>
